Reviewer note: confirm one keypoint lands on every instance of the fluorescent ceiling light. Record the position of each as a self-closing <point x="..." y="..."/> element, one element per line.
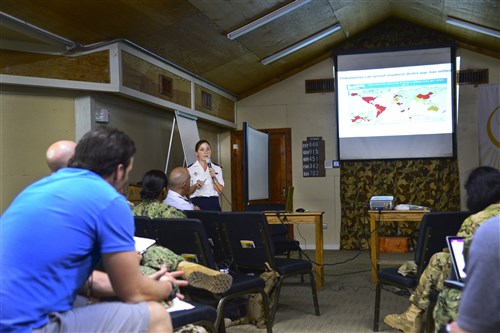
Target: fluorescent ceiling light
<point x="266" y="19"/>
<point x="473" y="27"/>
<point x="301" y="44"/>
<point x="22" y="27"/>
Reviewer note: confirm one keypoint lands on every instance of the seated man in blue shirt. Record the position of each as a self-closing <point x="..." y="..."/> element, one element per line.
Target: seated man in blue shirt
<point x="72" y="219"/>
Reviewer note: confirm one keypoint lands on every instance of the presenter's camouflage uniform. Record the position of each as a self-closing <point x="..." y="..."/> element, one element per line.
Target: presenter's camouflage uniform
<point x="156" y="256"/>
<point x="449" y="298"/>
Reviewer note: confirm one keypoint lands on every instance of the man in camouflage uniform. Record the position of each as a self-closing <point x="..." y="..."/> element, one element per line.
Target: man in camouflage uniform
<point x="154" y="191"/>
<point x="449" y="298"/>
<point x="483" y="190"/>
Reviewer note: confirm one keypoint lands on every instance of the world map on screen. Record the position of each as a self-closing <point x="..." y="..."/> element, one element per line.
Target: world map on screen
<point x="398" y="101"/>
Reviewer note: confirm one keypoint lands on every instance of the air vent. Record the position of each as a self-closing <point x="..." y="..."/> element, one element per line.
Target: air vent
<point x="166" y="86"/>
<point x="206" y="100"/>
<point x="473" y="76"/>
<point x="319" y="86"/>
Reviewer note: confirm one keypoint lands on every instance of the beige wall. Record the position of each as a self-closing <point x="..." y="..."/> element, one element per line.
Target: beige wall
<point x="286" y="105"/>
<point x="29" y="123"/>
<point x="148" y="126"/>
<point x="151" y="128"/>
<point x="467" y="127"/>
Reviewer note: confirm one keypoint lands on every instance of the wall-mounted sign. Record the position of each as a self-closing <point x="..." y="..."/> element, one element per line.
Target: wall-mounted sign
<point x="313" y="157"/>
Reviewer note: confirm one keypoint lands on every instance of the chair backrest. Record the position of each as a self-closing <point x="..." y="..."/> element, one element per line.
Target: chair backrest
<point x="278" y="231"/>
<point x="210" y="220"/>
<point x="264" y="207"/>
<point x="143" y="227"/>
<point x="248" y="239"/>
<point x="185" y="237"/>
<point x="434" y="228"/>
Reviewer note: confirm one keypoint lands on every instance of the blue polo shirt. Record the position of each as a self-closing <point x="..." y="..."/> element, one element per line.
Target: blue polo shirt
<point x="51" y="238"/>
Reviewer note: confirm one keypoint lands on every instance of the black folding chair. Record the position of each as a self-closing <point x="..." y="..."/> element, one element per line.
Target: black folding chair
<point x="434" y="228"/>
<point x="202" y="315"/>
<point x="279" y="232"/>
<point x="210" y="220"/>
<point x="143" y="227"/>
<point x="189" y="236"/>
<point x="249" y="240"/>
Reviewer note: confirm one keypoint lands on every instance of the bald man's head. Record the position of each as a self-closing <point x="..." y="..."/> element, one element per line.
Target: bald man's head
<point x="59" y="154"/>
<point x="178" y="180"/>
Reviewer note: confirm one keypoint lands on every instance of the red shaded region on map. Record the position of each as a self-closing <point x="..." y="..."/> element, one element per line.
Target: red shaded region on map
<point x="368" y="99"/>
<point x="426" y="96"/>
<point x="359" y="119"/>
<point x="380" y="109"/>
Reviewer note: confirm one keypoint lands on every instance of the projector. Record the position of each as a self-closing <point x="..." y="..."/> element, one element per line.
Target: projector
<point x="379" y="202"/>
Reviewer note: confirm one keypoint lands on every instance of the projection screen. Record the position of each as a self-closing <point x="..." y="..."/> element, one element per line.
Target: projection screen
<point x="396" y="105"/>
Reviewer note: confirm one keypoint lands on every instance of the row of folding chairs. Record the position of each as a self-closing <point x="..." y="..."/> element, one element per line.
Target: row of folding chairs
<point x="240" y="240"/>
<point x="243" y="238"/>
<point x="434" y="228"/>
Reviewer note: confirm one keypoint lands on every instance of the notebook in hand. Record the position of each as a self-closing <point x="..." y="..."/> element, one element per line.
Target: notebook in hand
<point x="142" y="244"/>
<point x="456" y="247"/>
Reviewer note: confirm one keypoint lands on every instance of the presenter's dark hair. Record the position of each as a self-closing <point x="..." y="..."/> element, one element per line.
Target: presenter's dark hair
<point x="199" y="143"/>
<point x="101" y="150"/>
<point x="153" y="182"/>
<point x="483" y="188"/>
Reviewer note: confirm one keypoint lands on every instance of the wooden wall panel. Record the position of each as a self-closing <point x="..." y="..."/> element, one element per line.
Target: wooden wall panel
<point x="222" y="107"/>
<point x="92" y="67"/>
<point x="143" y="76"/>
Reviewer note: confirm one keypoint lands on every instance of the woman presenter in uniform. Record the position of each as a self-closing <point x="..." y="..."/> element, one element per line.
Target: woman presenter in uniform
<point x="206" y="179"/>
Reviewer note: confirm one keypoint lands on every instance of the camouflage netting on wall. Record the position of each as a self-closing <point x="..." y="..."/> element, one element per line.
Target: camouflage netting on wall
<point x="430" y="183"/>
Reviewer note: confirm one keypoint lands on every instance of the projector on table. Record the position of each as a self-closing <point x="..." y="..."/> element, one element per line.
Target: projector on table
<point x="379" y="202"/>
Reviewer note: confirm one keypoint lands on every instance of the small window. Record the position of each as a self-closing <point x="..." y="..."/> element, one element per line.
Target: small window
<point x="206" y="100"/>
<point x="166" y="86"/>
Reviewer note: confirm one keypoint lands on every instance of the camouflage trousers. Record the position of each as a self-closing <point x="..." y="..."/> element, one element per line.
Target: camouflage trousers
<point x="155" y="256"/>
<point x="432" y="278"/>
<point x="446" y="307"/>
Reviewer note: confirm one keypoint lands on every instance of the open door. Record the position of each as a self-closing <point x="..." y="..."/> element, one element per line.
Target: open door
<point x="280" y="168"/>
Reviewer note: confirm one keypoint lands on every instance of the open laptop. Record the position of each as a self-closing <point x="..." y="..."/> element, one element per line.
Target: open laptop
<point x="458" y="276"/>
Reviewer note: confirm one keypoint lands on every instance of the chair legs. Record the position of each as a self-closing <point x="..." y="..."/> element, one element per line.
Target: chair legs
<point x="301" y="275"/>
<point x="219" y="322"/>
<point x="267" y="312"/>
<point x="376" y="315"/>
<point x="313" y="291"/>
<point x="275" y="305"/>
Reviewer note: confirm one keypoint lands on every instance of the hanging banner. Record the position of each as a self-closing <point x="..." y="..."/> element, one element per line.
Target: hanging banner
<point x="488" y="114"/>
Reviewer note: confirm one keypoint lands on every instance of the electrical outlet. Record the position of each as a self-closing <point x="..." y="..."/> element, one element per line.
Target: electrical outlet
<point x="325" y="226"/>
<point x="102" y="116"/>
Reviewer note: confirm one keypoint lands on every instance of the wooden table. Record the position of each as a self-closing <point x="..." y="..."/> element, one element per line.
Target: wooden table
<point x="387" y="216"/>
<point x="315" y="218"/>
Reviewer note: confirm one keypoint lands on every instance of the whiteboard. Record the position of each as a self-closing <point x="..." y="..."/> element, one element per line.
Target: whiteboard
<point x="188" y="131"/>
<point x="257" y="163"/>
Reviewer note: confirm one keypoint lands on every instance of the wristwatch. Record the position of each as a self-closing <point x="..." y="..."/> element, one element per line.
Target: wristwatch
<point x="174" y="292"/>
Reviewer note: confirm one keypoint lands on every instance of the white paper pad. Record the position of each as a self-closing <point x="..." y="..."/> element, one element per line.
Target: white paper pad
<point x="178" y="305"/>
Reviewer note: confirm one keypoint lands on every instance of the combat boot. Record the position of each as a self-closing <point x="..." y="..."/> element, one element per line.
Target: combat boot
<point x="203" y="277"/>
<point x="409" y="322"/>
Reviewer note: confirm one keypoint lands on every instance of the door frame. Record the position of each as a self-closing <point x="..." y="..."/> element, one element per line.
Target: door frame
<point x="281" y="163"/>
